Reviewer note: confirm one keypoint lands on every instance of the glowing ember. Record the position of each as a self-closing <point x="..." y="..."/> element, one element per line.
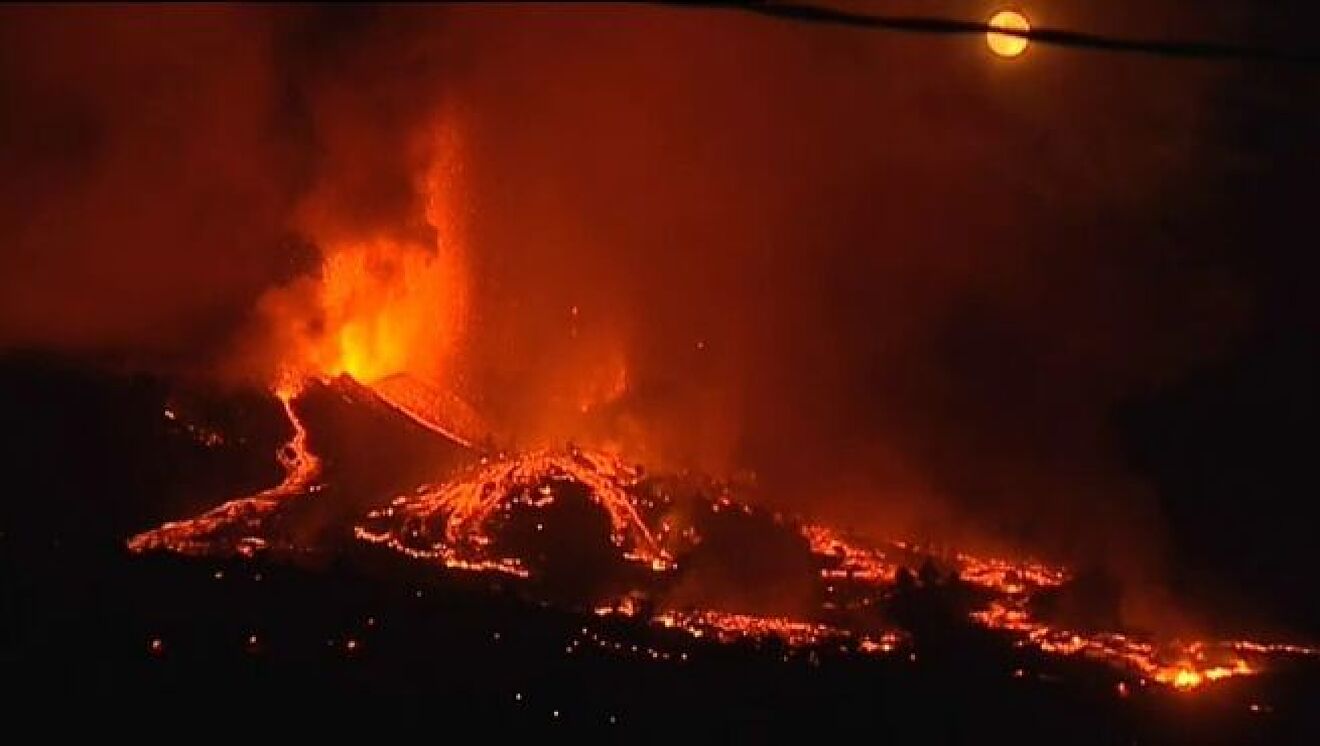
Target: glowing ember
<point x="626" y="607"/>
<point x="199" y="433"/>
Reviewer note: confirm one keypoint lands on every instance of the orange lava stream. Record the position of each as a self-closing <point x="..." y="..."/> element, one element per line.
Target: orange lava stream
<point x="198" y="536"/>
<point x="453" y="524"/>
<point x="1179" y="664"/>
<point x="730" y="627"/>
<point x="1009" y="576"/>
<point x="432" y="407"/>
<point x="1182" y="665"/>
<point x="863" y="564"/>
<point x="463" y="508"/>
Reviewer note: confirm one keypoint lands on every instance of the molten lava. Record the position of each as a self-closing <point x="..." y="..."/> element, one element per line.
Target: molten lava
<point x="389" y="308"/>
<point x="452" y="522"/>
<point x="235" y="525"/>
<point x="432" y="407"/>
<point x="377" y="308"/>
<point x="730" y="627"/>
<point x="863" y="564"/>
<point x="1178" y="664"/>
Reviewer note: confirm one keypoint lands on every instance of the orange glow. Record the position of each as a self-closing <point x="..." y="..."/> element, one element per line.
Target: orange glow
<point x="1181" y="665"/>
<point x="463" y="508"/>
<point x="210" y="530"/>
<point x="1008" y="576"/>
<point x="1007" y="45"/>
<point x="728" y="627"/>
<point x="453" y="524"/>
<point x="849" y="561"/>
<point x="602" y="384"/>
<point x="383" y="302"/>
<point x="388" y="308"/>
<point x="433" y="407"/>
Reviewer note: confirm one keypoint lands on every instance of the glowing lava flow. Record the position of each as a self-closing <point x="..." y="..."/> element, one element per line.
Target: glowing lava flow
<point x="1177" y="664"/>
<point x="451" y="523"/>
<point x="849" y="561"/>
<point x="202" y="535"/>
<point x="1008" y="576"/>
<point x="436" y="409"/>
<point x="456" y="523"/>
<point x="729" y="627"/>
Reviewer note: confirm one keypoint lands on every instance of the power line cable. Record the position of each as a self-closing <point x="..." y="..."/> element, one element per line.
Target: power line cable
<point x="1190" y="49"/>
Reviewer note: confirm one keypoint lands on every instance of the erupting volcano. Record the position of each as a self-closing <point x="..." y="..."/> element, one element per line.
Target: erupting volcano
<point x="643" y="367"/>
<point x="458" y="525"/>
<point x="388" y="316"/>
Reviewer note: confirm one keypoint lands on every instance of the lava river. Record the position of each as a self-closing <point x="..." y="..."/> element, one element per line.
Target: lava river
<point x="458" y="524"/>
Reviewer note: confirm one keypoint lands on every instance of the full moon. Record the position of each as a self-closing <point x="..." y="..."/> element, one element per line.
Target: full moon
<point x="1006" y="45"/>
